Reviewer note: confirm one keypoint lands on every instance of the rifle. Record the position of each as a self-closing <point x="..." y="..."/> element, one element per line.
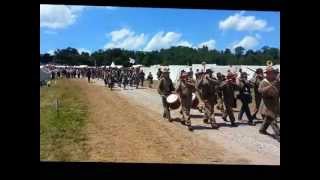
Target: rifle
<point x="251" y="69"/>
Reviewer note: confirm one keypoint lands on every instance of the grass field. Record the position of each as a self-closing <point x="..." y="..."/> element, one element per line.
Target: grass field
<point x="62" y="135"/>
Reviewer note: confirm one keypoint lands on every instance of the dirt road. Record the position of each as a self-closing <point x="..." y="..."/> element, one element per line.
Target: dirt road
<point x="127" y="126"/>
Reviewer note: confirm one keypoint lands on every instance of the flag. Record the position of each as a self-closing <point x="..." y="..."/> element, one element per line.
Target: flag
<point x="132" y="61"/>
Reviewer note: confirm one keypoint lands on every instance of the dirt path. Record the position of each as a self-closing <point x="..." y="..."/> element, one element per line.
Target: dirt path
<point x="121" y="131"/>
<point x="243" y="140"/>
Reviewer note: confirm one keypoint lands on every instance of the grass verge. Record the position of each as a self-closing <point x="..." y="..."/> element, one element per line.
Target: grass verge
<point x="62" y="136"/>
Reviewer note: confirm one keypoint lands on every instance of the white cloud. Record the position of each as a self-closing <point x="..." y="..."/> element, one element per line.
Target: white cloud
<point x="211" y="44"/>
<point x="120" y="34"/>
<point x="240" y="22"/>
<point x="248" y="42"/>
<point x="126" y="39"/>
<point x="163" y="40"/>
<point x="80" y="50"/>
<point x="58" y="16"/>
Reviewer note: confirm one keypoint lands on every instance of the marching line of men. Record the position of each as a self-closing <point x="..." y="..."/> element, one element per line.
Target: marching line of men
<point x="220" y="91"/>
<point x="211" y="91"/>
<point x="121" y="76"/>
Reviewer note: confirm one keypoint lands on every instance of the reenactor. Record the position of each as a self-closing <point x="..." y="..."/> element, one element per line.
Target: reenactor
<point x="141" y="77"/>
<point x="165" y="88"/>
<point x="150" y="79"/>
<point x="228" y="89"/>
<point x="270" y="108"/>
<point x="206" y="93"/>
<point x="185" y="87"/>
<point x="245" y="98"/>
<point x="257" y="95"/>
<point x="220" y="105"/>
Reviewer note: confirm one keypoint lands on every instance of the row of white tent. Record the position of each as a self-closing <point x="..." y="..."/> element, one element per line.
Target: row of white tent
<point x="176" y="69"/>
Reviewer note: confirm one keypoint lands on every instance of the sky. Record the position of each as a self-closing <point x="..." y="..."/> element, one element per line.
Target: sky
<point x="90" y="28"/>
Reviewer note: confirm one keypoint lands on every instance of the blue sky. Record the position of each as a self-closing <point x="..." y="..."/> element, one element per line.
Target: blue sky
<point x="91" y="28"/>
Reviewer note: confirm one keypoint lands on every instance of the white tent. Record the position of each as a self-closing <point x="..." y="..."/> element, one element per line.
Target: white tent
<point x="112" y="65"/>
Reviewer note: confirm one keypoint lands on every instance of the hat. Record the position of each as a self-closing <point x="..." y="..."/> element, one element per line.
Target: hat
<point x="259" y="71"/>
<point x="243" y="74"/>
<point x="270" y="69"/>
<point x="209" y="71"/>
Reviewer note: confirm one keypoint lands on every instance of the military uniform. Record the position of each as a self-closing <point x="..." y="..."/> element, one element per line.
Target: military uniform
<point x="245" y="98"/>
<point x="165" y="88"/>
<point x="257" y="94"/>
<point x="150" y="79"/>
<point x="228" y="89"/>
<point x="206" y="92"/>
<point x="185" y="89"/>
<point x="270" y="108"/>
<point x="220" y="105"/>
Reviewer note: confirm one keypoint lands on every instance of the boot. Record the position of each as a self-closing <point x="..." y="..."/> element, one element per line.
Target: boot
<point x="206" y="121"/>
<point x="214" y="125"/>
<point x="264" y="132"/>
<point x="251" y="123"/>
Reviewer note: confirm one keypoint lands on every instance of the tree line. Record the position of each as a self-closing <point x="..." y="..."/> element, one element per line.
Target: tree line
<point x="179" y="55"/>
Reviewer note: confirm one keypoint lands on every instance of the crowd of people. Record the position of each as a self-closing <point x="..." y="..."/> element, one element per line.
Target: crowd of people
<point x="211" y="90"/>
<point x="223" y="91"/>
<point x="123" y="77"/>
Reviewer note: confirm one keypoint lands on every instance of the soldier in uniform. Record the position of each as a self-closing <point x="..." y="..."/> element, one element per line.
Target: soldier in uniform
<point x="191" y="73"/>
<point x="150" y="79"/>
<point x="206" y="93"/>
<point x="165" y="88"/>
<point x="159" y="73"/>
<point x="245" y="98"/>
<point x="141" y="77"/>
<point x="257" y="95"/>
<point x="269" y="88"/>
<point x="125" y="79"/>
<point x="228" y="88"/>
<point x="219" y="93"/>
<point x="184" y="88"/>
<point x="89" y="75"/>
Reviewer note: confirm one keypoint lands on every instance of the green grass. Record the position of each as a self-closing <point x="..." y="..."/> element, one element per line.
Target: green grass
<point x="62" y="136"/>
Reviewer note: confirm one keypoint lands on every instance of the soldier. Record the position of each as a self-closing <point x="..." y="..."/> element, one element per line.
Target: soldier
<point x="150" y="79"/>
<point x="78" y="73"/>
<point x="125" y="79"/>
<point x="197" y="74"/>
<point x="206" y="93"/>
<point x="245" y="98"/>
<point x="185" y="87"/>
<point x="130" y="78"/>
<point x="257" y="95"/>
<point x="135" y="79"/>
<point x="269" y="88"/>
<point x="165" y="88"/>
<point x="159" y="73"/>
<point x="141" y="77"/>
<point x="105" y="77"/>
<point x="228" y="88"/>
<point x="88" y="75"/>
<point x="219" y="93"/>
<point x="190" y="73"/>
<point x="111" y="78"/>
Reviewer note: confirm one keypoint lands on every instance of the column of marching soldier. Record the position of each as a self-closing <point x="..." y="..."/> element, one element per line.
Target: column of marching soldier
<point x="220" y="91"/>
